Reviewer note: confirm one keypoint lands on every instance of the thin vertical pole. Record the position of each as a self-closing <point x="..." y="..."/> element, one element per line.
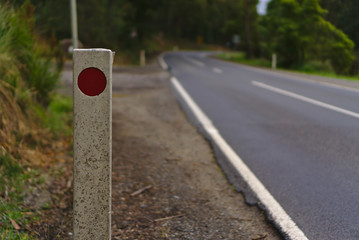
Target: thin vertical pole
<point x="142" y="58"/>
<point x="274" y="61"/>
<point x="75" y="40"/>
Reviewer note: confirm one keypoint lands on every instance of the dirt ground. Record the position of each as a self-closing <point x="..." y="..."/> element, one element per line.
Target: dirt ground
<point x="166" y="183"/>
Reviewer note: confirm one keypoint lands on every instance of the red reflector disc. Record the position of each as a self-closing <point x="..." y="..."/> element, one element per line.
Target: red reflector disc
<point x="92" y="81"/>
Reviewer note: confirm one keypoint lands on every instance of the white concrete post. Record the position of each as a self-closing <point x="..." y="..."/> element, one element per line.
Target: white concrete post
<point x="274" y="61"/>
<point x="142" y="58"/>
<point x="92" y="143"/>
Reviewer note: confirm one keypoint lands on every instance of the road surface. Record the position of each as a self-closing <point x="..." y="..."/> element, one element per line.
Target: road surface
<point x="299" y="137"/>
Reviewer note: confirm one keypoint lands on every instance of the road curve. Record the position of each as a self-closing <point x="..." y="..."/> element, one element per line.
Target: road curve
<point x="300" y="138"/>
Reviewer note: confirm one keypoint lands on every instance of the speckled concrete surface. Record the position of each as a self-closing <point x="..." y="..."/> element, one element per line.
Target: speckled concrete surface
<point x="92" y="150"/>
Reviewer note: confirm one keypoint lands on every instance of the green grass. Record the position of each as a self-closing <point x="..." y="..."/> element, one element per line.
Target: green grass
<point x="241" y="58"/>
<point x="313" y="67"/>
<point x="10" y="211"/>
<point x="58" y="115"/>
<point x="323" y="69"/>
<point x="327" y="74"/>
<point x="13" y="180"/>
<point x="12" y="235"/>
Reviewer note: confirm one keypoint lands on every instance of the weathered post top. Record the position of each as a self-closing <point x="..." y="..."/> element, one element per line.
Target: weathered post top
<point x="92" y="92"/>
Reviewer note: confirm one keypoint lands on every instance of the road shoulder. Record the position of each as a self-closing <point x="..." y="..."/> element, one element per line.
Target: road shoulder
<point x="166" y="181"/>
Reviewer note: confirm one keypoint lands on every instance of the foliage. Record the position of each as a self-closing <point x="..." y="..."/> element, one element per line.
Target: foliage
<point x="127" y="25"/>
<point x="344" y="15"/>
<point x="21" y="66"/>
<point x="27" y="81"/>
<point x="316" y="66"/>
<point x="57" y="116"/>
<point x="244" y="21"/>
<point x="297" y="31"/>
<point x="240" y="57"/>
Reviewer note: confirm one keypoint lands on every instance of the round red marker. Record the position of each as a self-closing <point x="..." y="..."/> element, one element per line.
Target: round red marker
<point x="92" y="81"/>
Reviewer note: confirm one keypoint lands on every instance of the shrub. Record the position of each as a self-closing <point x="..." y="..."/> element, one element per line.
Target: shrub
<point x="22" y="67"/>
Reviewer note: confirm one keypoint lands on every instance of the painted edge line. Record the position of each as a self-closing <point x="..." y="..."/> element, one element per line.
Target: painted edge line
<point x="162" y="62"/>
<point x="281" y="219"/>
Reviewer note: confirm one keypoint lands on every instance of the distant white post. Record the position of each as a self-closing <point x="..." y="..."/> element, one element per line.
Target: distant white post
<point x="142" y="58"/>
<point x="92" y="143"/>
<point x="75" y="38"/>
<point x="274" y="61"/>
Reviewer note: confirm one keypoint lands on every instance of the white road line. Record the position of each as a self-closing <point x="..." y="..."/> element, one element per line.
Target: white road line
<point x="306" y="99"/>
<point x="217" y="70"/>
<point x="276" y="212"/>
<point x="198" y="63"/>
<point x="297" y="77"/>
<point x="162" y="62"/>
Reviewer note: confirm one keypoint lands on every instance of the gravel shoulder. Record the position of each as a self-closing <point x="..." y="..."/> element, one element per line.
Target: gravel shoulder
<point x="166" y="181"/>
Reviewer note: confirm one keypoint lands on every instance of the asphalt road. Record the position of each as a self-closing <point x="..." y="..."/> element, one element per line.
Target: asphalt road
<point x="299" y="137"/>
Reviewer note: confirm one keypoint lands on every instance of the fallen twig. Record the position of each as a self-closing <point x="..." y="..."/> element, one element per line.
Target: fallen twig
<point x="14" y="224"/>
<point x="261" y="237"/>
<point x="149" y="219"/>
<point x="31" y="230"/>
<point x="139" y="191"/>
<point x="167" y="218"/>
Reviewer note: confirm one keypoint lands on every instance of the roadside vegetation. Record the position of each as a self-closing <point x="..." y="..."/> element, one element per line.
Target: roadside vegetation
<point x="240" y="57"/>
<point x="307" y="38"/>
<point x="35" y="125"/>
<point x="298" y="32"/>
<point x="306" y="35"/>
<point x="317" y="68"/>
<point x="127" y="26"/>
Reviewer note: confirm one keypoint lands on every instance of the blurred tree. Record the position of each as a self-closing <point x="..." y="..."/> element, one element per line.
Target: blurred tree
<point x="100" y="22"/>
<point x="344" y="15"/>
<point x="131" y="24"/>
<point x="242" y="20"/>
<point x="297" y="31"/>
<point x="281" y="26"/>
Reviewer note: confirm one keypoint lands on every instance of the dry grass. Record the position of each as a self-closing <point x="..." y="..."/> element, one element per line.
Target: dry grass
<point x="21" y="135"/>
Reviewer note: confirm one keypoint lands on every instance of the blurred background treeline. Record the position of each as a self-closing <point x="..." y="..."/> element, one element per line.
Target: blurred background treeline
<point x="128" y="26"/>
<point x="303" y="33"/>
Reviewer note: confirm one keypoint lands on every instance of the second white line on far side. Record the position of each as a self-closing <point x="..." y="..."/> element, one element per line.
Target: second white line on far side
<point x="306" y="99"/>
<point x="198" y="63"/>
<point x="217" y="70"/>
